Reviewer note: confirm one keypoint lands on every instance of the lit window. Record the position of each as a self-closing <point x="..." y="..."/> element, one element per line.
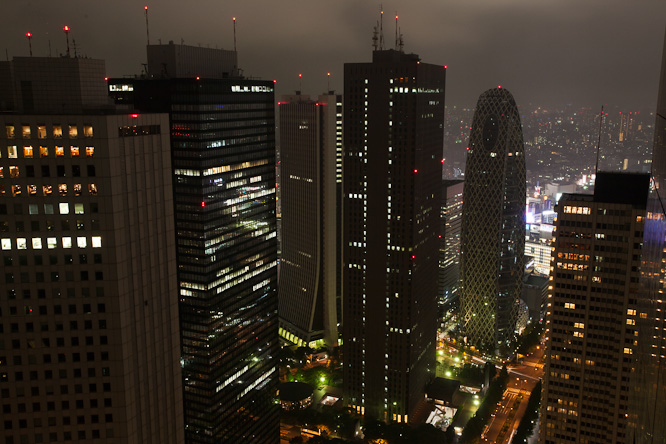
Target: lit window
<point x="27" y="152"/>
<point x="81" y="242"/>
<point x="2" y="172"/>
<point x="36" y="243"/>
<point x="64" y="208"/>
<point x="32" y="189"/>
<point x="77" y="189"/>
<point x="6" y="243"/>
<point x="62" y="189"/>
<point x="48" y="208"/>
<point x="25" y="130"/>
<point x="97" y="241"/>
<point x="10" y="131"/>
<point x="57" y="131"/>
<point x="87" y="131"/>
<point x="33" y="209"/>
<point x="14" y="172"/>
<point x="90" y="151"/>
<point x="73" y="132"/>
<point x="631" y="322"/>
<point x="11" y="152"/>
<point x="66" y="242"/>
<point x="21" y="243"/>
<point x="16" y="190"/>
<point x="78" y="208"/>
<point x="60" y="151"/>
<point x="41" y="131"/>
<point x="631" y="312"/>
<point x="51" y="243"/>
<point x="92" y="188"/>
<point x="47" y="190"/>
<point x="43" y="151"/>
<point x="74" y="150"/>
<point x="628" y="351"/>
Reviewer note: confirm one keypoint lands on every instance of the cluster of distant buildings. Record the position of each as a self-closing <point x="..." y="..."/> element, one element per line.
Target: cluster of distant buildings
<point x="139" y="237"/>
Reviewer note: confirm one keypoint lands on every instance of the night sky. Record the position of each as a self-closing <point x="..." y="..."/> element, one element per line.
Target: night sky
<point x="546" y="52"/>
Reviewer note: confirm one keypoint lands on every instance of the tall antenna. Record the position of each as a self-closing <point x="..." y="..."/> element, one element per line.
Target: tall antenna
<point x="328" y="76"/>
<point x="300" y="83"/>
<point x="29" y="35"/>
<point x="66" y="29"/>
<point x="601" y="119"/>
<point x="234" y="34"/>
<point x="381" y="27"/>
<point x="374" y="37"/>
<point x="396" y="30"/>
<point x="401" y="44"/>
<point x="145" y="8"/>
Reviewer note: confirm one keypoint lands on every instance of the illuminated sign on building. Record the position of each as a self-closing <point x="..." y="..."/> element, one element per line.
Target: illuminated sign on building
<point x="252" y="88"/>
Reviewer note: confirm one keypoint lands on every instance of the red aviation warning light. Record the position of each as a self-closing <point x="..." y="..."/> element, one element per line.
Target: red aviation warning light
<point x="145" y="7"/>
<point x="66" y="28"/>
<point x="234" y="19"/>
<point x="415" y="170"/>
<point x="203" y="204"/>
<point x="28" y="34"/>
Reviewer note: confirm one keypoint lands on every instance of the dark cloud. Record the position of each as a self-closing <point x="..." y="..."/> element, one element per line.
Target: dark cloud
<point x="547" y="52"/>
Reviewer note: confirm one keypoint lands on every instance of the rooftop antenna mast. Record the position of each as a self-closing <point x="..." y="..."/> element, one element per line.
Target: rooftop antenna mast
<point x="67" y="29"/>
<point x="381" y="27"/>
<point x="300" y="83"/>
<point x="328" y="76"/>
<point x="601" y="119"/>
<point x="401" y="44"/>
<point x="374" y="37"/>
<point x="29" y="35"/>
<point x="145" y="8"/>
<point x="234" y="34"/>
<point x="396" y="30"/>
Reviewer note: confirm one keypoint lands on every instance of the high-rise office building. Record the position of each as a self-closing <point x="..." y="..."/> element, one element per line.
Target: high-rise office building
<point x="649" y="378"/>
<point x="223" y="155"/>
<point x="392" y="176"/>
<point x="89" y="315"/>
<point x="449" y="245"/>
<point x="591" y="312"/>
<point x="493" y="224"/>
<point x="309" y="290"/>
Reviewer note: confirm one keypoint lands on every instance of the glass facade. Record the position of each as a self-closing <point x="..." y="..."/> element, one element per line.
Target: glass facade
<point x="649" y="378"/>
<point x="223" y="154"/>
<point x="493" y="224"/>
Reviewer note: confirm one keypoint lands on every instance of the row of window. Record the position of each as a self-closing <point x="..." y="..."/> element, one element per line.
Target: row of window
<point x="51" y="242"/>
<point x="55" y="277"/>
<point x="15" y="171"/>
<point x="35" y="225"/>
<point x="47" y="190"/>
<point x="29" y="151"/>
<point x="41" y="132"/>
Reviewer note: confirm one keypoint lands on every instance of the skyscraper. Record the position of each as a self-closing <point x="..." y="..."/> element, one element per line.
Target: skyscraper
<point x="223" y="154"/>
<point x="309" y="287"/>
<point x="89" y="314"/>
<point x="591" y="312"/>
<point x="393" y="119"/>
<point x="493" y="224"/>
<point x="449" y="250"/>
<point x="649" y="378"/>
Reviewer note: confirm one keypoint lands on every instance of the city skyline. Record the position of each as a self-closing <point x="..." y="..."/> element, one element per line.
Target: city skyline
<point x="550" y="53"/>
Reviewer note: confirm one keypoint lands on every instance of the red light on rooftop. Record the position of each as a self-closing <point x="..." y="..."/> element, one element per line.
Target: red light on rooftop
<point x="445" y="66"/>
<point x="203" y="204"/>
<point x="499" y="86"/>
<point x="198" y="78"/>
<point x="145" y="7"/>
<point x="28" y="34"/>
<point x="234" y="19"/>
<point x="328" y="74"/>
<point x="381" y="12"/>
<point x="415" y="170"/>
<point x="442" y="160"/>
<point x="418" y="62"/>
<point x="300" y="75"/>
<point x="66" y="28"/>
<point x="396" y="17"/>
<point x="413" y="257"/>
<point x="274" y="81"/>
<point x="106" y="79"/>
<point x="134" y="116"/>
<point x="440" y="236"/>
